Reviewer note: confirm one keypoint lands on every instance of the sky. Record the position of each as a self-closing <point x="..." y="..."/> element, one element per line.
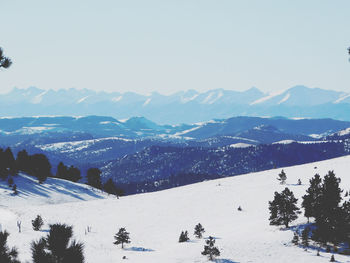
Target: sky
<point x="168" y="46"/>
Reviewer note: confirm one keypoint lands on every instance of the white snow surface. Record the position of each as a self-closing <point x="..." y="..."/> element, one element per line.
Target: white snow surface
<point x="345" y="96"/>
<point x="240" y="145"/>
<point x="284" y="99"/>
<point x="155" y="220"/>
<point x="67" y="147"/>
<point x="344" y="132"/>
<point x="266" y="98"/>
<point x="284" y="142"/>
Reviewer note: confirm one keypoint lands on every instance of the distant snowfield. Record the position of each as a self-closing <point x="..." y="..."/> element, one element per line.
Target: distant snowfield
<point x="155" y="220"/>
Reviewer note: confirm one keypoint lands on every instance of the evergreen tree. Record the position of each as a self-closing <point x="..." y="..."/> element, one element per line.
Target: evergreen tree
<point x="58" y="247"/>
<point x="62" y="171"/>
<point x="9" y="160"/>
<point x="282" y="177"/>
<point x="73" y="174"/>
<point x="328" y="213"/>
<point x="283" y="209"/>
<point x="37" y="223"/>
<point x="199" y="230"/>
<point x="3" y="166"/>
<point x="7" y="255"/>
<point x="23" y="161"/>
<point x="39" y="167"/>
<point x="110" y="187"/>
<point x="346" y="221"/>
<point x="305" y="237"/>
<point x="183" y="236"/>
<point x="94" y="178"/>
<point x="312" y="198"/>
<point x="121" y="237"/>
<point x="5" y="62"/>
<point x="295" y="239"/>
<point x="210" y="250"/>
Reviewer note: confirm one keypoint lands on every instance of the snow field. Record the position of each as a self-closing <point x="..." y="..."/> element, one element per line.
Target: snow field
<point x="155" y="220"/>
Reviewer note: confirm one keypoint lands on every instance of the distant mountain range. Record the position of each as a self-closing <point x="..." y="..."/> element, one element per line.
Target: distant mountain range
<point x="97" y="139"/>
<point x="181" y="107"/>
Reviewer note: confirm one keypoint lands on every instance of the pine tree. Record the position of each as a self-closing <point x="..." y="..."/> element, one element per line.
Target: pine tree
<point x="5" y="62"/>
<point x="40" y="167"/>
<point x="94" y="178"/>
<point x="73" y="174"/>
<point x="58" y="247"/>
<point x="62" y="171"/>
<point x="121" y="237"/>
<point x="23" y="161"/>
<point x="295" y="239"/>
<point x="283" y="209"/>
<point x="282" y="177"/>
<point x="10" y="161"/>
<point x="346" y="221"/>
<point x="110" y="187"/>
<point x="37" y="223"/>
<point x="183" y="236"/>
<point x="328" y="213"/>
<point x="199" y="230"/>
<point x="312" y="198"/>
<point x="7" y="255"/>
<point x="210" y="250"/>
<point x="305" y="237"/>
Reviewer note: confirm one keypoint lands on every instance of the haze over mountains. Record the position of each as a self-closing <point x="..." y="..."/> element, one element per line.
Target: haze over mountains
<point x="181" y="107"/>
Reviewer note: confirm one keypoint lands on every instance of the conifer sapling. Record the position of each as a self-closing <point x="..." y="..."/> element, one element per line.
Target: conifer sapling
<point x="282" y="177"/>
<point x="199" y="230"/>
<point x="183" y="236"/>
<point x="210" y="250"/>
<point x="295" y="239"/>
<point x="37" y="223"/>
<point x="121" y="237"/>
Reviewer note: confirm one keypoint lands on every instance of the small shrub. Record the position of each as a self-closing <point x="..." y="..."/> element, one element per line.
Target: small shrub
<point x="183" y="237"/>
<point x="37" y="223"/>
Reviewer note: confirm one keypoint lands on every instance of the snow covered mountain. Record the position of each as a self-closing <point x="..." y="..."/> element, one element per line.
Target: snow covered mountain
<point x="181" y="107"/>
<point x="241" y="236"/>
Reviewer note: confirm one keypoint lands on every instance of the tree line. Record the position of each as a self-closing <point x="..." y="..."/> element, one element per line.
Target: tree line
<point x="38" y="165"/>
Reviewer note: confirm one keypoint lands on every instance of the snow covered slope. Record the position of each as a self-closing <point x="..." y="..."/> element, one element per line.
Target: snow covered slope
<point x="52" y="191"/>
<point x="155" y="220"/>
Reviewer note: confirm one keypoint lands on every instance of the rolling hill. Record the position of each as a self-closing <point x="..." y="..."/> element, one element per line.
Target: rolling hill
<point x="155" y="220"/>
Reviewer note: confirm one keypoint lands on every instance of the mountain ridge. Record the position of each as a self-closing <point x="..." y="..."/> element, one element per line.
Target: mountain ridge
<point x="181" y="107"/>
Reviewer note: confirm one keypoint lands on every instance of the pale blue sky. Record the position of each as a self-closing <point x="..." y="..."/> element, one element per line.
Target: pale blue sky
<point x="167" y="46"/>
